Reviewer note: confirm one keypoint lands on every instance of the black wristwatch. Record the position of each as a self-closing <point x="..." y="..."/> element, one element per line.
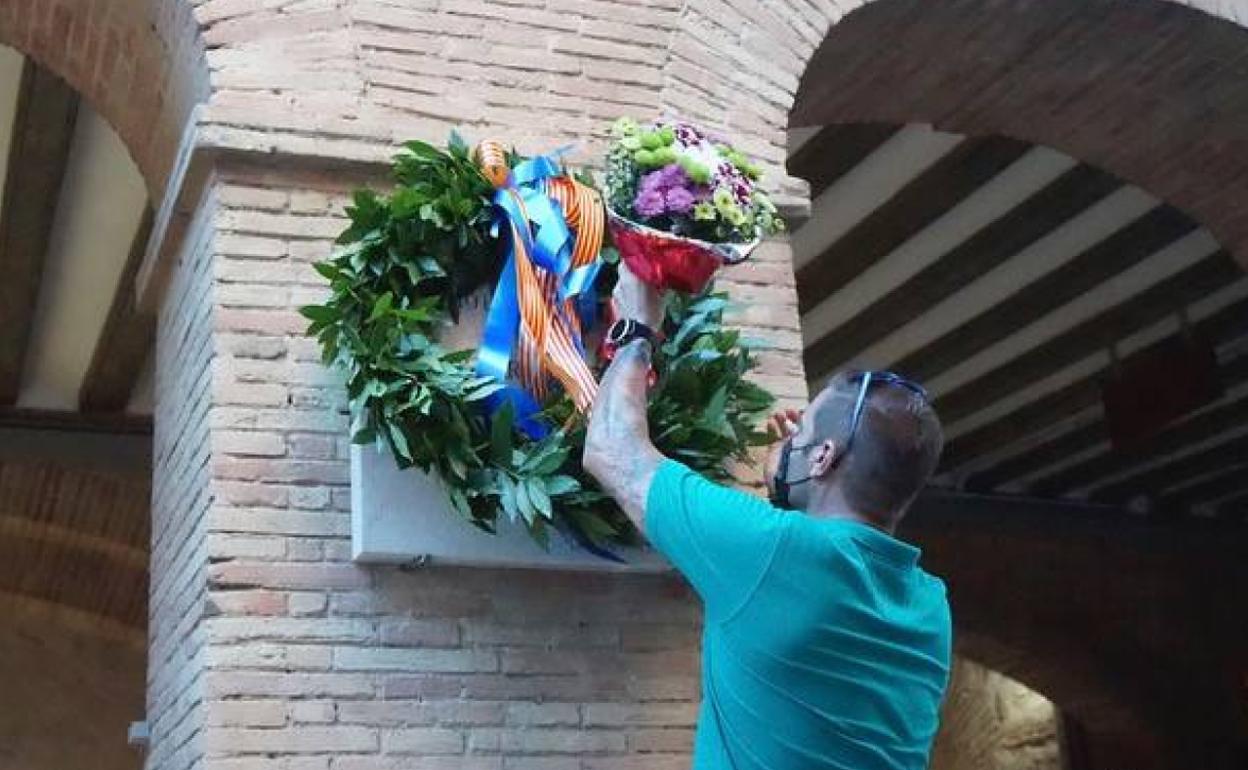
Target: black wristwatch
<point x="625" y="331"/>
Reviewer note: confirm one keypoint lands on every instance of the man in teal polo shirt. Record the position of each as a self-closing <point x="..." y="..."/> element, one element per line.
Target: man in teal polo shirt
<point x="825" y="644"/>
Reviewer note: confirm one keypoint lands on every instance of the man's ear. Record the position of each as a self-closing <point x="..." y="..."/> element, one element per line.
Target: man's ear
<point x="823" y="458"/>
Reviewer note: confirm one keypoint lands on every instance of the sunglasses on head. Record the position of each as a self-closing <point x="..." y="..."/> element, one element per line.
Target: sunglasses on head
<point x="781" y="486"/>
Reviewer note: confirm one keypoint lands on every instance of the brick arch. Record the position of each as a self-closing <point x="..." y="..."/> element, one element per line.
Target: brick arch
<point x="76" y="538"/>
<point x="139" y="63"/>
<point x="1150" y="90"/>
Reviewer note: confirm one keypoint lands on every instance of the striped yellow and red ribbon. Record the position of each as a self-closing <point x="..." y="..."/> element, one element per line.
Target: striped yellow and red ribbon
<point x="533" y="329"/>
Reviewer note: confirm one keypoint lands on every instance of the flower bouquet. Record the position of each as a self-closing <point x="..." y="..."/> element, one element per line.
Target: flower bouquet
<point x="680" y="204"/>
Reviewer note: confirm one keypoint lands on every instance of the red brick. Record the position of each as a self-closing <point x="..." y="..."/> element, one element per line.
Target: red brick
<point x="279" y="575"/>
<point x="258" y="602"/>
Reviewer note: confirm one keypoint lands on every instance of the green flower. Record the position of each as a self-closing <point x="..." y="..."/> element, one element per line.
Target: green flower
<point x="722" y="199"/>
<point x="645" y="158"/>
<point x="624" y="127"/>
<point x="703" y="211"/>
<point x="735" y="216"/>
<point x="668" y="134"/>
<point x="630" y="142"/>
<point x="693" y="169"/>
<point x="651" y="140"/>
<point x="665" y="155"/>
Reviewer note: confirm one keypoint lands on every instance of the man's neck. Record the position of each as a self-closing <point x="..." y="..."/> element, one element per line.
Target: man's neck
<point x="834" y="508"/>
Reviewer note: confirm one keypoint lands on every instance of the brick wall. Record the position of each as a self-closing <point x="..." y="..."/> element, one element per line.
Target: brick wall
<point x="181" y="499"/>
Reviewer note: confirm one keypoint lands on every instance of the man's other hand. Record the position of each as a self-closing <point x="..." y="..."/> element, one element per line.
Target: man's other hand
<point x="785" y="423"/>
<point x="782" y="426"/>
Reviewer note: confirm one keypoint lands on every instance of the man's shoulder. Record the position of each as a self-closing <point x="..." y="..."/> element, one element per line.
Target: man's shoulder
<point x="933" y="583"/>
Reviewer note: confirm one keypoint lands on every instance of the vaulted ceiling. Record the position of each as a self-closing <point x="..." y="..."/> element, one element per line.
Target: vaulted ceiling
<point x="73" y="224"/>
<point x="1014" y="281"/>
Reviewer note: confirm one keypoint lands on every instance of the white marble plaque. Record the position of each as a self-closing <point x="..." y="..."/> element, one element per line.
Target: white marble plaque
<point x="403" y="516"/>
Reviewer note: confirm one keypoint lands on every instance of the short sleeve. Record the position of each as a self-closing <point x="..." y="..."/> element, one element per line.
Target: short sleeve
<point x="721" y="539"/>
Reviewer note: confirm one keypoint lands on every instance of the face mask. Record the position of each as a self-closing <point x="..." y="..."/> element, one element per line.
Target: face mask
<point x="780" y="484"/>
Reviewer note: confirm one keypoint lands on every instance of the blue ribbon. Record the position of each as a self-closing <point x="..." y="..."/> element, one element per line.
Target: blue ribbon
<point x="538" y="222"/>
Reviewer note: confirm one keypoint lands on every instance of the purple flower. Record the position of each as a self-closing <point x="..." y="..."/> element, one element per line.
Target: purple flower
<point x="741" y="191"/>
<point x="649" y="203"/>
<point x="679" y="200"/>
<point x="667" y="190"/>
<point x="731" y="178"/>
<point x="686" y="134"/>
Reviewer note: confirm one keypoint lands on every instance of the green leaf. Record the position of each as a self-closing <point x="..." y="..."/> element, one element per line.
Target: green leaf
<point x="483" y="391"/>
<point x="536" y="491"/>
<point x="382" y="306"/>
<point x="320" y="313"/>
<point x="507" y="496"/>
<point x="562" y="485"/>
<point x="399" y="441"/>
<point x="460" y="501"/>
<point x="551" y="461"/>
<point x="326" y="269"/>
<point x="422" y="149"/>
<point x="457" y="145"/>
<point x="525" y="503"/>
<point x="500" y="433"/>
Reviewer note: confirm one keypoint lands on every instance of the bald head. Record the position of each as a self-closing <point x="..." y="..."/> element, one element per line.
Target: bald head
<point x="894" y="452"/>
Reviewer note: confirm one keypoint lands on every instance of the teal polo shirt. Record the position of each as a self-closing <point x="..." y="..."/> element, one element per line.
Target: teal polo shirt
<point x="825" y="645"/>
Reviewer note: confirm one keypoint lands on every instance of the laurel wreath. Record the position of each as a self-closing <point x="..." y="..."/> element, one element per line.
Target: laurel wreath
<point x="398" y="277"/>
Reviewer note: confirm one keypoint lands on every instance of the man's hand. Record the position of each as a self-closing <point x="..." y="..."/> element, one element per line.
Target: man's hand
<point x="785" y="423"/>
<point x="638" y="300"/>
<point x="782" y="426"/>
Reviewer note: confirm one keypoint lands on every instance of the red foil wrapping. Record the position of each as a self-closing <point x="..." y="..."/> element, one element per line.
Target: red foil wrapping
<point x="668" y="261"/>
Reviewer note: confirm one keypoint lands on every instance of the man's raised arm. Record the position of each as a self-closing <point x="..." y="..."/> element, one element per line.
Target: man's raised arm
<point x="618" y="450"/>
